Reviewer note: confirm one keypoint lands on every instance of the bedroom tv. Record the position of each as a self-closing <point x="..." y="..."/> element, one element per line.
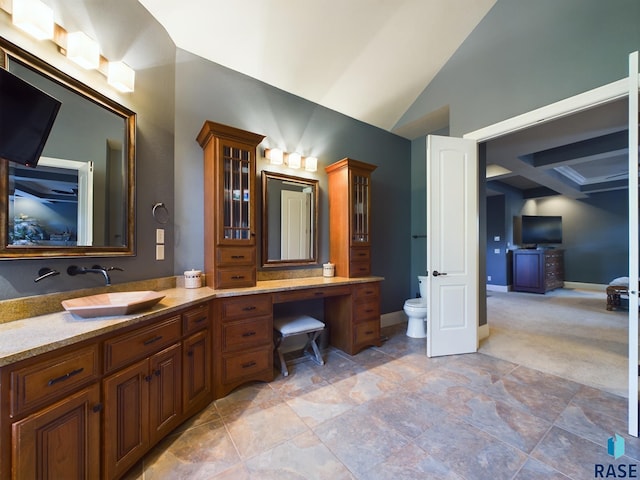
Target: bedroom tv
<point x="541" y="230"/>
<point x="26" y="118"/>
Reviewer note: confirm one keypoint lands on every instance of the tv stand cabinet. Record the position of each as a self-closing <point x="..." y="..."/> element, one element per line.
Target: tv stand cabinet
<point x="538" y="271"/>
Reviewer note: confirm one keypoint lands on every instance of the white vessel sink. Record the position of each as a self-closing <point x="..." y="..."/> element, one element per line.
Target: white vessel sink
<point x="116" y="303"/>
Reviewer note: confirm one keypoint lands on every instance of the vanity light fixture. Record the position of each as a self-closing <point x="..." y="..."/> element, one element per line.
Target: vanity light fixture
<point x="83" y="50"/>
<point x="310" y="164"/>
<point x="121" y="76"/>
<point x="294" y="160"/>
<point x="274" y="155"/>
<point x="33" y="17"/>
<point x="36" y="18"/>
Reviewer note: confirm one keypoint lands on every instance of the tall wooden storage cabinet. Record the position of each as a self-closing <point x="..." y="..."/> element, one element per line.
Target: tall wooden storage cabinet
<point x="350" y="217"/>
<point x="229" y="205"/>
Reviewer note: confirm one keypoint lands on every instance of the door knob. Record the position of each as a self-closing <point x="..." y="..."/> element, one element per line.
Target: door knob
<point x="436" y="273"/>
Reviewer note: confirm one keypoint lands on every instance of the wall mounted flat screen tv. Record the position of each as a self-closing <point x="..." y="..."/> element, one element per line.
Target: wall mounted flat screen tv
<point x="26" y="118"/>
<point x="537" y="230"/>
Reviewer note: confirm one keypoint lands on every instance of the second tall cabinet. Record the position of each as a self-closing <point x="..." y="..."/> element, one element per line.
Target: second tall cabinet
<point x="229" y="205"/>
<point x="350" y="217"/>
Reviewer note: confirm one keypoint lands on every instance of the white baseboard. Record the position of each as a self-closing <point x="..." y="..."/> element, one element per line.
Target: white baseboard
<point x="393" y="318"/>
<point x="498" y="288"/>
<point x="483" y="331"/>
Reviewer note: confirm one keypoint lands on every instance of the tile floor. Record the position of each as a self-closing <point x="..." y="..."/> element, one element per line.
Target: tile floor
<point x="393" y="413"/>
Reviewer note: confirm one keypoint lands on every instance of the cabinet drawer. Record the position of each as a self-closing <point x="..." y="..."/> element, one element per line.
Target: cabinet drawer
<point x="366" y="291"/>
<point x="124" y="349"/>
<point x="367" y="332"/>
<point x="247" y="333"/>
<point x="246" y="307"/>
<point x="359" y="268"/>
<point x="230" y="256"/>
<point x="366" y="311"/>
<point x="45" y="381"/>
<point x="235" y="277"/>
<point x="246" y="364"/>
<point x="196" y="318"/>
<point x="360" y="254"/>
<point x="310" y="293"/>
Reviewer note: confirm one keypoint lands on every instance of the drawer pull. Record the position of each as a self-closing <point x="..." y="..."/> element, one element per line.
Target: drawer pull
<point x="369" y="310"/>
<point x="237" y="277"/>
<point x="64" y="377"/>
<point x="201" y="319"/>
<point x="237" y="257"/>
<point x="249" y="364"/>
<point x="369" y="292"/>
<point x="97" y="408"/>
<point x="248" y="309"/>
<point x="248" y="334"/>
<point x="369" y="332"/>
<point x="319" y="294"/>
<point x="152" y="340"/>
<point x="361" y="254"/>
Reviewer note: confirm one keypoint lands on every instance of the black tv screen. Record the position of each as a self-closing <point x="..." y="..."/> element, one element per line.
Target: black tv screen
<point x="26" y="118"/>
<point x="538" y="229"/>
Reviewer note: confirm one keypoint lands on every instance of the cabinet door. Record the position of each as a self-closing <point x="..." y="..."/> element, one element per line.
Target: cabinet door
<point x="126" y="424"/>
<point x="360" y="207"/>
<point x="196" y="378"/>
<point x="165" y="388"/>
<point x="60" y="441"/>
<point x="237" y="167"/>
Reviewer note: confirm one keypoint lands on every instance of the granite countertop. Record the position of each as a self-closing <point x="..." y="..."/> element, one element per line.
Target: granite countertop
<point x="25" y="338"/>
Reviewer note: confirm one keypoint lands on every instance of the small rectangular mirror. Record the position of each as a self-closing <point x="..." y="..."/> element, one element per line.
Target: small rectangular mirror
<point x="289" y="220"/>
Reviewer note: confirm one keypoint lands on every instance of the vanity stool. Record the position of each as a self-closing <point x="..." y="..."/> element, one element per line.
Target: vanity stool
<point x="297" y="325"/>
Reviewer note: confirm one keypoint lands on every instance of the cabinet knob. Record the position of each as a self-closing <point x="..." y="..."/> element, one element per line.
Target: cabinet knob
<point x="97" y="408"/>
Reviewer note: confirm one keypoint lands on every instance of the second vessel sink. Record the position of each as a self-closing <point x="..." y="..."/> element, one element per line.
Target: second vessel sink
<point x="116" y="303"/>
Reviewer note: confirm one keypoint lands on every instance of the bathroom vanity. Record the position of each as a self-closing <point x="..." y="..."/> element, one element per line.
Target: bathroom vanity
<point x="89" y="397"/>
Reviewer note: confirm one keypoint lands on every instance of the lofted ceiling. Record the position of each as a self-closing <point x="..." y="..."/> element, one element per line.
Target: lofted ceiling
<point x="368" y="59"/>
<point x="371" y="59"/>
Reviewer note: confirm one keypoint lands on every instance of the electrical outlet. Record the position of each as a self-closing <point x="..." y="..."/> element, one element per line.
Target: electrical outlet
<point x="496" y="238"/>
<point x="488" y="278"/>
<point x="496" y="250"/>
<point x="159" y="252"/>
<point x="160" y="235"/>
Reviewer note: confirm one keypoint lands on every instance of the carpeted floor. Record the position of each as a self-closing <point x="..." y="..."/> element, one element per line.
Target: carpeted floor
<point x="565" y="332"/>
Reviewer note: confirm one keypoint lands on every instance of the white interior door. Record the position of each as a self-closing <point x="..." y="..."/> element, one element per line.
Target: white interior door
<point x="634" y="360"/>
<point x="452" y="246"/>
<point x="295" y="227"/>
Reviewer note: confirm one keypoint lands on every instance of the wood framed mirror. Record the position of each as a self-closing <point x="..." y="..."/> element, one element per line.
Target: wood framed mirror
<point x="289" y="220"/>
<point x="80" y="199"/>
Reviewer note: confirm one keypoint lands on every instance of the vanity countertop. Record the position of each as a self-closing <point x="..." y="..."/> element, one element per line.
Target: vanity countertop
<point x="25" y="338"/>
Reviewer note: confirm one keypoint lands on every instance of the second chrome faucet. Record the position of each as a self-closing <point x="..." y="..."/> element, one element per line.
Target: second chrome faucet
<point x="75" y="270"/>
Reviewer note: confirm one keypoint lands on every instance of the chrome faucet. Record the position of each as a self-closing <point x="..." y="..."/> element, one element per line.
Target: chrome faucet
<point x="75" y="270"/>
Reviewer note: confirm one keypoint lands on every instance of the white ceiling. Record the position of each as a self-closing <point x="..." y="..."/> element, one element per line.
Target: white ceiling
<point x="368" y="59"/>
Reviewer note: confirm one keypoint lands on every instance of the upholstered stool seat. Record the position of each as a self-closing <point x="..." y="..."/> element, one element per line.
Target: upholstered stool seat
<point x="297" y="325"/>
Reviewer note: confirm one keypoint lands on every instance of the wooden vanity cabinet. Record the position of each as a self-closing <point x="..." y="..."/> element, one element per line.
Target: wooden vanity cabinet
<point x="350" y="217"/>
<point x="354" y="321"/>
<point x="197" y="379"/>
<point x="142" y="401"/>
<point x="229" y="205"/>
<point x="243" y="341"/>
<point x="50" y="420"/>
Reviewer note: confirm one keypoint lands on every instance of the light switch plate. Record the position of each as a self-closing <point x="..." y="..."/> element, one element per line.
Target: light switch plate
<point x="159" y="252"/>
<point x="160" y="235"/>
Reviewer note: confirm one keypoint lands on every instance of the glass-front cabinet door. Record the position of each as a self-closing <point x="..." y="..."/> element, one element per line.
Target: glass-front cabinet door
<point x="237" y="218"/>
<point x="361" y="206"/>
<point x="229" y="205"/>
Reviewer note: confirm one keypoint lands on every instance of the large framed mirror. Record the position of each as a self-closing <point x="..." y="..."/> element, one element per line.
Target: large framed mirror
<point x="79" y="199"/>
<point x="289" y="220"/>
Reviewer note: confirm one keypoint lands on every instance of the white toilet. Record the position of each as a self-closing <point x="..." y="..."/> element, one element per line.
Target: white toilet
<point x="416" y="310"/>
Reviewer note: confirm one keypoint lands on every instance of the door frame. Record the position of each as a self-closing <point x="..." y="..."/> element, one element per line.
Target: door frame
<point x="566" y="107"/>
